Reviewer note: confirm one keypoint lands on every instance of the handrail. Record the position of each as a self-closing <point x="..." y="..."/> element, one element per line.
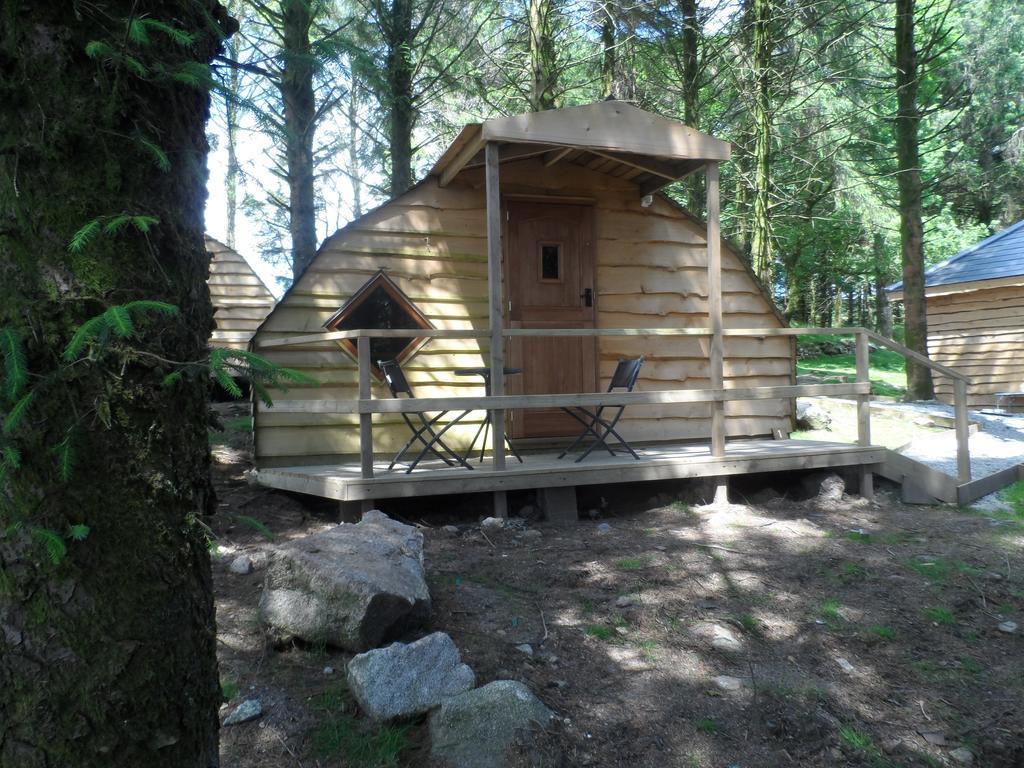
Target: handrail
<point x="917" y="357"/>
<point x="508" y="402"/>
<point x="365" y="406"/>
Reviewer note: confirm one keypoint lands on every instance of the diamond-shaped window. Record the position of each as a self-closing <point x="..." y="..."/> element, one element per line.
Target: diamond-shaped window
<point x="380" y="304"/>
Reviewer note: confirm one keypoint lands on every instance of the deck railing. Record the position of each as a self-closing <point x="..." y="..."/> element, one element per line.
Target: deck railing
<point x="365" y="405"/>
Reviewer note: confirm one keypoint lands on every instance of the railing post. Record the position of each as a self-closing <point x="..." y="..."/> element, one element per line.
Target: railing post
<point x="863" y="401"/>
<point x="496" y="307"/>
<point x="365" y="419"/>
<point x="867" y="485"/>
<point x="963" y="451"/>
<point x="716" y="354"/>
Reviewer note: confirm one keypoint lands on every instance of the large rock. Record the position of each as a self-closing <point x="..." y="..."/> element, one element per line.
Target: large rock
<point x="403" y="680"/>
<point x="812" y="416"/>
<point x="350" y="587"/>
<point x="476" y="729"/>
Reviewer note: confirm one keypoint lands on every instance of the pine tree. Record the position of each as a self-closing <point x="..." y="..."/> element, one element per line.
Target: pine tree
<point x="107" y="655"/>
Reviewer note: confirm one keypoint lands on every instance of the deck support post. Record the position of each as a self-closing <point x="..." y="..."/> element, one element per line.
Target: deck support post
<point x="496" y="307"/>
<point x="867" y="484"/>
<point x="716" y="354"/>
<point x="365" y="419"/>
<point x="963" y="432"/>
<point x="350" y="511"/>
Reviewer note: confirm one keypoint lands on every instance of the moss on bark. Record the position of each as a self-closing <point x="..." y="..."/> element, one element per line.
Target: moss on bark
<point x="107" y="658"/>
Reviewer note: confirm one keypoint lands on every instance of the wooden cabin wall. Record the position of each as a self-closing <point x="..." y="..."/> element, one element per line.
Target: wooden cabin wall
<point x="981" y="334"/>
<point x="240" y="299"/>
<point x="651" y="272"/>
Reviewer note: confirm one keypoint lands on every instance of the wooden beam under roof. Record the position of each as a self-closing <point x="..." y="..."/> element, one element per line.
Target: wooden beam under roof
<point x="656" y="184"/>
<point x="558" y="154"/>
<point x="472" y="144"/>
<point x="509" y="152"/>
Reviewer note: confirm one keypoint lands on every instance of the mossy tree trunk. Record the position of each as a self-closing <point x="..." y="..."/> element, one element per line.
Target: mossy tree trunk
<point x="543" y="58"/>
<point x="763" y="43"/>
<point x="400" y="38"/>
<point x="691" y="33"/>
<point x="300" y="118"/>
<point x="908" y="120"/>
<point x="107" y="658"/>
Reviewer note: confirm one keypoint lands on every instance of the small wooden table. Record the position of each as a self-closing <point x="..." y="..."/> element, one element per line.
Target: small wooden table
<point x="1010" y="402"/>
<point x="485" y="373"/>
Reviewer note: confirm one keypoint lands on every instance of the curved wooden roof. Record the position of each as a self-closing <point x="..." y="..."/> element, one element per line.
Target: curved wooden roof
<point x="609" y="136"/>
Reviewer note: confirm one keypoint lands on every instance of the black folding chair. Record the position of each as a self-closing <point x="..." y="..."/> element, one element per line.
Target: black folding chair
<point x="423" y="429"/>
<point x="596" y="424"/>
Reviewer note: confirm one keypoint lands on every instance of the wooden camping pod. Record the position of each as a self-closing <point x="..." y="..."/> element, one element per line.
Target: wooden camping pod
<point x="649" y="270"/>
<point x="240" y="299"/>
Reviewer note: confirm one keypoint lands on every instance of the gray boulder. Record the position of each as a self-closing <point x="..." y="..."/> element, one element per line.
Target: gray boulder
<point x="351" y="586"/>
<point x="812" y="416"/>
<point x="476" y="729"/>
<point x="408" y="679"/>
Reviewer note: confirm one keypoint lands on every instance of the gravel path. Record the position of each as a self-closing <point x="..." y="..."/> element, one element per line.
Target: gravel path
<point x="998" y="444"/>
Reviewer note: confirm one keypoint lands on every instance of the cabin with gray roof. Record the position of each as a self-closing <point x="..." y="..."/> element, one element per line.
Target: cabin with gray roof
<point x="976" y="316"/>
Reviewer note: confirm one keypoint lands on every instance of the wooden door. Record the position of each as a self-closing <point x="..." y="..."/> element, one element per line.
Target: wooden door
<point x="550" y="263"/>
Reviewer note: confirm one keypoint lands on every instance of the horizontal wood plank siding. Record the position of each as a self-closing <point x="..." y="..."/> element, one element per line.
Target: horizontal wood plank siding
<point x="431" y="242"/>
<point x="240" y="299"/>
<point x="980" y="333"/>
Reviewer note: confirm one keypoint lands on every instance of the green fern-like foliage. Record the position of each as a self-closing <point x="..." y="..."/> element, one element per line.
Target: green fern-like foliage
<point x="155" y="152"/>
<point x="52" y="542"/>
<point x="262" y="374"/>
<point x="111" y="225"/>
<point x="118" y="320"/>
<point x="16" y="414"/>
<point x="15" y="368"/>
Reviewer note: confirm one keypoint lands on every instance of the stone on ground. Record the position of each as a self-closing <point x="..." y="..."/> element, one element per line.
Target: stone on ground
<point x="811" y="416"/>
<point x="351" y="586"/>
<point x="728" y="683"/>
<point x="248" y="710"/>
<point x="962" y="755"/>
<point x="408" y="679"/>
<point x="492" y="524"/>
<point x="476" y="729"/>
<point x="241" y="565"/>
<point x="1009" y="627"/>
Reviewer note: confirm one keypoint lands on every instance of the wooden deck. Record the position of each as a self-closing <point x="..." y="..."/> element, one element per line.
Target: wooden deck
<point x="344" y="482"/>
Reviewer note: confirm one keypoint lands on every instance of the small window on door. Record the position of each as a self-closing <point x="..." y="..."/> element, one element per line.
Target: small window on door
<point x="551" y="261"/>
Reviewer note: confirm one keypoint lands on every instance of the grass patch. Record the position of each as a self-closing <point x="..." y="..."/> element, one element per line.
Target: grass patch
<point x="708" y="725"/>
<point x="682" y="508"/>
<point x="632" y="563"/>
<point x="882" y="631"/>
<point x="941" y="570"/>
<point x="851" y="573"/>
<point x="750" y="625"/>
<point x="235" y="434"/>
<point x="830" y="610"/>
<point x="940" y="615"/>
<point x="971" y="666"/>
<point x="601" y="632"/>
<point x="1014" y="496"/>
<point x="887" y="370"/>
<point x="855" y="738"/>
<point x="648" y="649"/>
<point x="228" y="689"/>
<point x="344" y="737"/>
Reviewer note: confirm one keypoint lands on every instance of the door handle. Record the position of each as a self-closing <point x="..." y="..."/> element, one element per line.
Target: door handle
<point x="588" y="297"/>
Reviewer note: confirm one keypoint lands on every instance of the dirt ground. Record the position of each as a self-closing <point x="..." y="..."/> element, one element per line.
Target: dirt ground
<point x="786" y="632"/>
